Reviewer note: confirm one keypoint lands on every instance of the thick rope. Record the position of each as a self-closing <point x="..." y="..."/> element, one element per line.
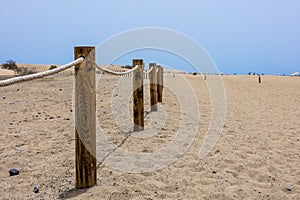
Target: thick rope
<point x="39" y="74"/>
<point x="148" y="71"/>
<point x="117" y="73"/>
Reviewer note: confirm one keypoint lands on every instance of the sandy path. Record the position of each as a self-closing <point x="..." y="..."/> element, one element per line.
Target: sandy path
<point x="256" y="157"/>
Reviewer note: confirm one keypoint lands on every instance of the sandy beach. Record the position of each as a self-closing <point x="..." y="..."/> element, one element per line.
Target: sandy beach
<point x="256" y="157"/>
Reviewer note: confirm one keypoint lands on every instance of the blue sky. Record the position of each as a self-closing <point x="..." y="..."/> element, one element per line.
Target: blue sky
<point x="240" y="36"/>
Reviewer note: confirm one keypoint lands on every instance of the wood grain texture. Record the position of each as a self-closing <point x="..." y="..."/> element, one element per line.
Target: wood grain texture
<point x="146" y="75"/>
<point x="138" y="96"/>
<point x="160" y="82"/>
<point x="153" y="87"/>
<point x="85" y="118"/>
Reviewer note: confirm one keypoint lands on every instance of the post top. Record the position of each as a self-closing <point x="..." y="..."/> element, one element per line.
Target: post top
<point x="84" y="46"/>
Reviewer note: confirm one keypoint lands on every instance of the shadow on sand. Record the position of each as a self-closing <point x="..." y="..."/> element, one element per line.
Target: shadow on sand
<point x="67" y="194"/>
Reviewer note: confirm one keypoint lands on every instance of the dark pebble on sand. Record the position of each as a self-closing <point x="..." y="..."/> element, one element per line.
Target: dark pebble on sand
<point x="4" y="98"/>
<point x="51" y="118"/>
<point x="60" y="89"/>
<point x="71" y="110"/>
<point x="288" y="188"/>
<point x="214" y="172"/>
<point x="36" y="189"/>
<point x="13" y="172"/>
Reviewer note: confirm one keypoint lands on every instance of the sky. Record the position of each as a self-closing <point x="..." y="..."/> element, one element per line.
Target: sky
<point x="240" y="36"/>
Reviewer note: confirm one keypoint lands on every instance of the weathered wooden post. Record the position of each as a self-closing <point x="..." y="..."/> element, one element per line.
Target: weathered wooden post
<point x="145" y="74"/>
<point x="138" y="95"/>
<point x="259" y="79"/>
<point x="153" y="87"/>
<point x="85" y="118"/>
<point x="159" y="83"/>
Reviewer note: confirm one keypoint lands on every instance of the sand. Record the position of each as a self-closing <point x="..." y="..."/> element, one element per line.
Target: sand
<point x="5" y="72"/>
<point x="256" y="157"/>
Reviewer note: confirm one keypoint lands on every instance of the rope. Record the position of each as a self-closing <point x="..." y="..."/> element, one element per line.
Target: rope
<point x="147" y="72"/>
<point x="39" y="74"/>
<point x="117" y="73"/>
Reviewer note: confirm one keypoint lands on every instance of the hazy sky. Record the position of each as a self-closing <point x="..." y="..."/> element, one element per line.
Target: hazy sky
<point x="240" y="36"/>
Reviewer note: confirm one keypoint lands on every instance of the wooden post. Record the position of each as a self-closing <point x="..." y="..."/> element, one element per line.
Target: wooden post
<point x="159" y="83"/>
<point x="138" y="96"/>
<point x="153" y="87"/>
<point x="145" y="74"/>
<point x="85" y="118"/>
<point x="259" y="79"/>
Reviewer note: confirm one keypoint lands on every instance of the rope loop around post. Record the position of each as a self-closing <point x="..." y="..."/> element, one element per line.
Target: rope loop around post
<point x="148" y="71"/>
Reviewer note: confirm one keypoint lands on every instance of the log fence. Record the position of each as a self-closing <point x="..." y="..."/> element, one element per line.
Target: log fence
<point x="85" y="103"/>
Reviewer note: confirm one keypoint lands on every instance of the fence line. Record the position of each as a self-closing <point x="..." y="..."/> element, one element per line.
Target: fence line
<point x="29" y="77"/>
<point x="116" y="73"/>
<point x="85" y="105"/>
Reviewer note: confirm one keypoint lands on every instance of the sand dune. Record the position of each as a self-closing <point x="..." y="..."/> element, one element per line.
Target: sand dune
<point x="256" y="157"/>
<point x="5" y="72"/>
